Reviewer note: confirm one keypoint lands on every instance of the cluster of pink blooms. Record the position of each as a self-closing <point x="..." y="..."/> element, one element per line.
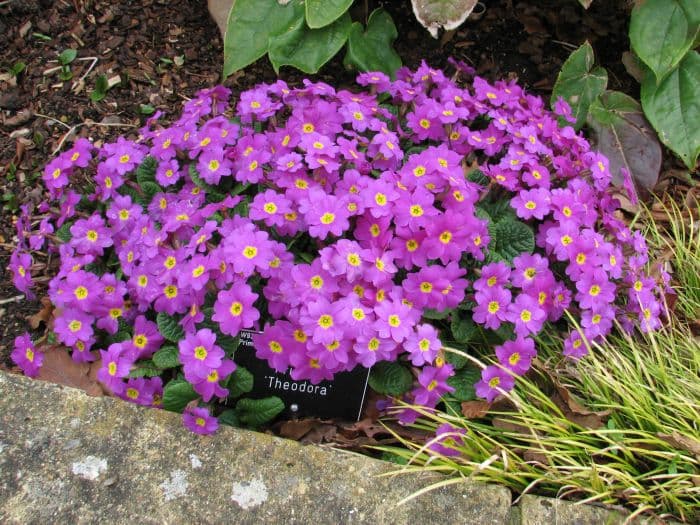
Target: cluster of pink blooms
<point x="352" y="216"/>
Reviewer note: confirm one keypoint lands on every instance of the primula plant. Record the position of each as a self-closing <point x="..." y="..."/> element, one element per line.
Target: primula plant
<point x="350" y="228"/>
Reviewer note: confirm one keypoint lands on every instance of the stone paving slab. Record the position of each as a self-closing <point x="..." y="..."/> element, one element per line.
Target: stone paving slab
<point x="69" y="458"/>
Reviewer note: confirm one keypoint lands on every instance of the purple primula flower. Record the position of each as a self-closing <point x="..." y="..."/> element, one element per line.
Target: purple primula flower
<point x="530" y="204"/>
<point x="199" y="420"/>
<point x="123" y="156"/>
<point x="199" y="353"/>
<point x="116" y="364"/>
<point x="209" y="386"/>
<point x="447" y="439"/>
<point x="72" y="325"/>
<point x="90" y="236"/>
<point x="517" y="355"/>
<point x="433" y="385"/>
<point x="494" y="380"/>
<point x="234" y="309"/>
<point x="492" y="307"/>
<point x="527" y="314"/>
<point x="26" y="356"/>
<point x="422" y="345"/>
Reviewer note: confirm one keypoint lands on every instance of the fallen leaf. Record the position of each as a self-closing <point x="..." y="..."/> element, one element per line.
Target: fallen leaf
<point x="475" y="409"/>
<point x="678" y="440"/>
<point x="43" y="315"/>
<point x="297" y="428"/>
<point x="59" y="368"/>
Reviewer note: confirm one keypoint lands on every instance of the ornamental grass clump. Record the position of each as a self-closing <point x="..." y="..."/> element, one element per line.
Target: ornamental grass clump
<point x="349" y="228"/>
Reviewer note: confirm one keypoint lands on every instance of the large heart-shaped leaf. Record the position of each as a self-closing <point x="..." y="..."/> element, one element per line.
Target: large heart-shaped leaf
<point x="626" y="138"/>
<point x="372" y="50"/>
<point x="320" y="13"/>
<point x="673" y="108"/>
<point x="308" y="49"/>
<point x="663" y="31"/>
<point x="446" y="14"/>
<point x="579" y="83"/>
<point x="250" y="25"/>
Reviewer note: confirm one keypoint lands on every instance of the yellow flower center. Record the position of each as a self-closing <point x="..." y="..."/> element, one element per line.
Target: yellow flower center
<point x="75" y="325"/>
<point x="236" y="309"/>
<point x="249" y="252"/>
<point x="275" y="347"/>
<point x="525" y="316"/>
<point x="394" y="320"/>
<point x="416" y="210"/>
<point x="325" y="321"/>
<point x="494" y="307"/>
<point x="81" y="293"/>
<point x="327" y="218"/>
<point x="200" y="353"/>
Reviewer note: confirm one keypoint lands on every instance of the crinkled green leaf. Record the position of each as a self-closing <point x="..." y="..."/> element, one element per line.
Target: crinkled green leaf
<point x="240" y="382"/>
<point x="390" y="378"/>
<point x="579" y="83"/>
<point x="372" y="50"/>
<point x="230" y="418"/>
<point x="320" y="13"/>
<point x="176" y="394"/>
<point x="442" y="14"/>
<point x="663" y="31"/>
<point x="169" y="327"/>
<point x="673" y="108"/>
<point x="463" y="382"/>
<point x="308" y="49"/>
<point x="509" y="238"/>
<point x="146" y="171"/>
<point x="167" y="357"/>
<point x="250" y="25"/>
<point x="145" y="368"/>
<point x="256" y="412"/>
<point x="430" y="313"/>
<point x="463" y="328"/>
<point x="150" y="189"/>
<point x="624" y="136"/>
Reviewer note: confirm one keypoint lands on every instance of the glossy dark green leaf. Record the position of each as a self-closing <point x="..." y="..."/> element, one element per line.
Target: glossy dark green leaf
<point x="663" y="31"/>
<point x="673" y="108"/>
<point x="371" y="49"/>
<point x="250" y="25"/>
<point x="579" y="83"/>
<point x="308" y="49"/>
<point x="320" y="13"/>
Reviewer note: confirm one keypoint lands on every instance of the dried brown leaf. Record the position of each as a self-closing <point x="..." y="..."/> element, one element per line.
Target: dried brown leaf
<point x="297" y="429"/>
<point x="43" y="315"/>
<point x="475" y="409"/>
<point x="58" y="367"/>
<point x="682" y="442"/>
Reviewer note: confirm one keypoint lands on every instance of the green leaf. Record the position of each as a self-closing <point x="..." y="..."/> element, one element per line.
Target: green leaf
<point x="673" y="108"/>
<point x="390" y="378"/>
<point x="579" y="83"/>
<point x="662" y="32"/>
<point x="147" y="109"/>
<point x="63" y="233"/>
<point x="146" y="171"/>
<point x="442" y="14"/>
<point x="497" y="210"/>
<point x="67" y="56"/>
<point x="320" y="13"/>
<point x="176" y="394"/>
<point x="167" y="357"/>
<point x="456" y="360"/>
<point x="145" y="368"/>
<point x="17" y="68"/>
<point x="150" y="189"/>
<point x="624" y="136"/>
<point x="256" y="412"/>
<point x="229" y="417"/>
<point x="463" y="383"/>
<point x="430" y="313"/>
<point x="510" y="238"/>
<point x="101" y="88"/>
<point x="372" y="50"/>
<point x="308" y="49"/>
<point x="227" y="343"/>
<point x="463" y="328"/>
<point x="250" y="25"/>
<point x="240" y="382"/>
<point x="169" y="327"/>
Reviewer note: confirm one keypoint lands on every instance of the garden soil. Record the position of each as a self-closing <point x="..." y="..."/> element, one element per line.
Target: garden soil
<point x="157" y="53"/>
